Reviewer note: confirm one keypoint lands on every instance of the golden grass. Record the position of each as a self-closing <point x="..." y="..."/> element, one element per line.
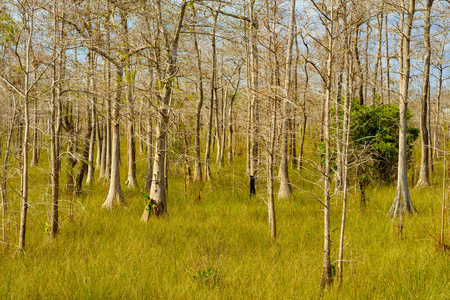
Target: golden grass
<point x="220" y="248"/>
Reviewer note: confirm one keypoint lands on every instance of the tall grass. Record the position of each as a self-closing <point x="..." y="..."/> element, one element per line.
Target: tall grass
<point x="219" y="247"/>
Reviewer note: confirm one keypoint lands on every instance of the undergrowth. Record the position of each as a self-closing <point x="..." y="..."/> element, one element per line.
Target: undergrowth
<point x="215" y="244"/>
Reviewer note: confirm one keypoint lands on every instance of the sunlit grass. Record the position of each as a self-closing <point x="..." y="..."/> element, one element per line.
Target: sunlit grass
<point x="219" y="247"/>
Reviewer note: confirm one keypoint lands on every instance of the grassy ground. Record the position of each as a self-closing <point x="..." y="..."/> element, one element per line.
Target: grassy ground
<point x="219" y="247"/>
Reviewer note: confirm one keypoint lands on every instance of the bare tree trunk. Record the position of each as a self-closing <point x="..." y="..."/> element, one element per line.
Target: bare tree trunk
<point x="386" y="41"/>
<point x="209" y="141"/>
<point x="270" y="154"/>
<point x="254" y="109"/>
<point x="131" y="143"/>
<point x="82" y="170"/>
<point x="444" y="178"/>
<point x="197" y="162"/>
<point x="35" y="153"/>
<point x="157" y="202"/>
<point x="345" y="148"/>
<point x="29" y="24"/>
<point x="217" y="111"/>
<point x="220" y="155"/>
<point x="285" y="189"/>
<point x="339" y="136"/>
<point x="149" y="171"/>
<point x="375" y="88"/>
<point x="106" y="143"/>
<point x="90" y="167"/>
<point x="366" y="67"/>
<point x="424" y="175"/>
<point x="55" y="126"/>
<point x="303" y="105"/>
<point x="327" y="278"/>
<point x="230" y="120"/>
<point x="5" y="169"/>
<point x="360" y="71"/>
<point x="402" y="201"/>
<point x="438" y="112"/>
<point x="99" y="140"/>
<point x="115" y="195"/>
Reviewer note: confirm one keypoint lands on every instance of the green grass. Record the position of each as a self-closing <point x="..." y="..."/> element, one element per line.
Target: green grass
<point x="220" y="248"/>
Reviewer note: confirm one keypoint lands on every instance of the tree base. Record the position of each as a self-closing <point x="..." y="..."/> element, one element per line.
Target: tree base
<point x="153" y="208"/>
<point x="132" y="183"/>
<point x="285" y="190"/>
<point x="401" y="207"/>
<point x="422" y="184"/>
<point x="327" y="278"/>
<point x="113" y="199"/>
<point x="252" y="186"/>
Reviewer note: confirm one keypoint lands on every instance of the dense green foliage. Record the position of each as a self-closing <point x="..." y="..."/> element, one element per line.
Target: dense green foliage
<point x="374" y="140"/>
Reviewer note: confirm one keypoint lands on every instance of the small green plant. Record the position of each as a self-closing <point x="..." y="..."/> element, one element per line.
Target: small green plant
<point x="149" y="205"/>
<point x="47" y="228"/>
<point x="206" y="278"/>
<point x="333" y="270"/>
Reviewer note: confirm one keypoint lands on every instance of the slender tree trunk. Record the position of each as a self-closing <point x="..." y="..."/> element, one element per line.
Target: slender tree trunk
<point x="285" y="189"/>
<point x="339" y="136"/>
<point x="360" y="71"/>
<point x="197" y="162"/>
<point x="212" y="102"/>
<point x="254" y="107"/>
<point x="55" y="126"/>
<point x="424" y="175"/>
<point x="220" y="157"/>
<point x="438" y="112"/>
<point x="35" y="153"/>
<point x="270" y="155"/>
<point x="327" y="277"/>
<point x="109" y="123"/>
<point x="115" y="195"/>
<point x="149" y="171"/>
<point x="230" y="121"/>
<point x="217" y="109"/>
<point x="345" y="148"/>
<point x="82" y="170"/>
<point x="99" y="141"/>
<point x="375" y="88"/>
<point x="157" y="202"/>
<point x="26" y="133"/>
<point x="131" y="143"/>
<point x="90" y="162"/>
<point x="304" y="117"/>
<point x="402" y="201"/>
<point x="387" y="58"/>
<point x="5" y="169"/>
<point x="106" y="141"/>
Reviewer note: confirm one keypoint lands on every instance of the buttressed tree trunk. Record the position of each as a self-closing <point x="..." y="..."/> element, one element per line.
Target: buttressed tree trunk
<point x="424" y="176"/>
<point x="157" y="202"/>
<point x="285" y="189"/>
<point x="402" y="201"/>
<point x="115" y="195"/>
